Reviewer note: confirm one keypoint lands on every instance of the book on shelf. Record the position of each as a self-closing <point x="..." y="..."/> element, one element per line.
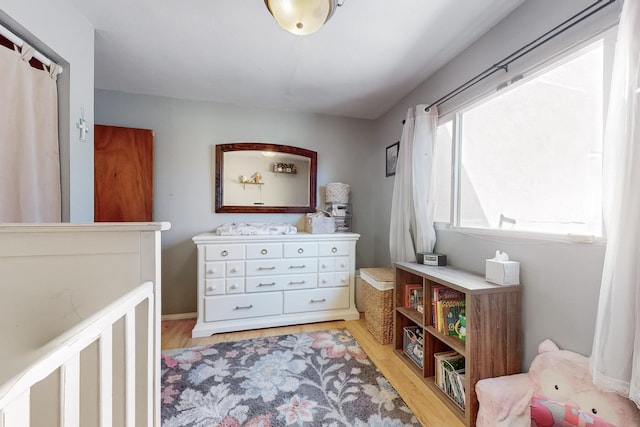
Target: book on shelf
<point x="454" y="386"/>
<point x="448" y="312"/>
<point x="412" y="295"/>
<point x="449" y="375"/>
<point x="439" y="358"/>
<point x="446" y="304"/>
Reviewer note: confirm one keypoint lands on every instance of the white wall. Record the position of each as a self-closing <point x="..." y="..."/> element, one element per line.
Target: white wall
<point x="561" y="280"/>
<point x="185" y="134"/>
<point x="59" y="31"/>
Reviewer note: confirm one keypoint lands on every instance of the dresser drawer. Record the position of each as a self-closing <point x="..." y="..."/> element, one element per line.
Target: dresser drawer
<point x="343" y="263"/>
<point x="223" y="252"/>
<point x="300" y="265"/>
<point x="280" y="283"/>
<point x="264" y="284"/>
<point x="214" y="287"/>
<point x="330" y="280"/>
<point x="316" y="300"/>
<point x="300" y="250"/>
<point x="326" y="264"/>
<point x="229" y="307"/>
<point x="264" y="250"/>
<point x="264" y="267"/>
<point x="214" y="270"/>
<point x="281" y="266"/>
<point x="333" y="248"/>
<point x="235" y="269"/>
<point x="235" y="285"/>
<point x="303" y="281"/>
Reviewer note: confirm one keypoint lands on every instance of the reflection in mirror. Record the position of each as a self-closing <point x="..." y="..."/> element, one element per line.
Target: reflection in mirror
<point x="256" y="177"/>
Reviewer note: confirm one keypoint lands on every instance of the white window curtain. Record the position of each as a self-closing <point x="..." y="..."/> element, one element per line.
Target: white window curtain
<point x="29" y="159"/>
<point x="615" y="360"/>
<point x="412" y="207"/>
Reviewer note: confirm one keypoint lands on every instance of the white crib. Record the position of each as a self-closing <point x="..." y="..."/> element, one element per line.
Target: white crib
<point x="80" y="324"/>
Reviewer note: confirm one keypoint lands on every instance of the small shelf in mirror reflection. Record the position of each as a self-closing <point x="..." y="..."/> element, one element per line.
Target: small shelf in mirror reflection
<point x="251" y="183"/>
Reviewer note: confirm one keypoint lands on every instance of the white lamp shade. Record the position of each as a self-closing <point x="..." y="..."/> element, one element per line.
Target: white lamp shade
<point x="301" y="17"/>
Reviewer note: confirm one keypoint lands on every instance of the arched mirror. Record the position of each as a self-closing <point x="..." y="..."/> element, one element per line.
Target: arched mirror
<point x="265" y="178"/>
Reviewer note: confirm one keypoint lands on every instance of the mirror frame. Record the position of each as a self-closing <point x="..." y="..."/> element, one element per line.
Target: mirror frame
<point x="257" y="146"/>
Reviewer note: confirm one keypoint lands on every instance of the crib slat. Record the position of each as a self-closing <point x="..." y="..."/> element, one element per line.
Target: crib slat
<point x="130" y="368"/>
<point x="16" y="414"/>
<point x="106" y="374"/>
<point x="70" y="392"/>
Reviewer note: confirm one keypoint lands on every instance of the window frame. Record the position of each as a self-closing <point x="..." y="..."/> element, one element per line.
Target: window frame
<point x="607" y="38"/>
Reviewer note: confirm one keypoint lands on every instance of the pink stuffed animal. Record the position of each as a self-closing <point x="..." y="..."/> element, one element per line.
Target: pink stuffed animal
<point x="557" y="392"/>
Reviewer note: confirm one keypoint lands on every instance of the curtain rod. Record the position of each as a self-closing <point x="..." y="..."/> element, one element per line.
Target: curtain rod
<point x="9" y="35"/>
<point x="504" y="63"/>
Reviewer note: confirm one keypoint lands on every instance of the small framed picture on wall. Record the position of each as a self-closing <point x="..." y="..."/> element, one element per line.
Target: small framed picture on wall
<point x="391" y="158"/>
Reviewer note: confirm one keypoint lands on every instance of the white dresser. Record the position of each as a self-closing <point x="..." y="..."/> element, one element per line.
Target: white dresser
<point x="249" y="282"/>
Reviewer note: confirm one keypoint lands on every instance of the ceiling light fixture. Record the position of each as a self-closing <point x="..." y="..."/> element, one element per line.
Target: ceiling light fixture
<point x="302" y="17"/>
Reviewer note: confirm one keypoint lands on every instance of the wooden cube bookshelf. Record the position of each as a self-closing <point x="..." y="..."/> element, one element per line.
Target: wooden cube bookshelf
<point x="493" y="345"/>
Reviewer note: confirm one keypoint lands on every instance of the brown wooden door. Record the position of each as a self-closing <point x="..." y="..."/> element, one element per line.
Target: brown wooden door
<point x="123" y="174"/>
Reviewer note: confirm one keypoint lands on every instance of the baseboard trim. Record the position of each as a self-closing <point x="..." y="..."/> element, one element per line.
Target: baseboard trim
<point x="179" y="316"/>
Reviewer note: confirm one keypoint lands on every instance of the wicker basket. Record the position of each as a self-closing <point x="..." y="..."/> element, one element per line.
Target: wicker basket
<point x="378" y="304"/>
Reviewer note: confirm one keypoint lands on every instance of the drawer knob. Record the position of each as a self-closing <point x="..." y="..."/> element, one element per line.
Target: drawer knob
<point x="210" y="271"/>
<point x="211" y="288"/>
<point x="334" y="249"/>
<point x="302" y="282"/>
<point x="298" y="266"/>
<point x="324" y="265"/>
<point x="224" y="253"/>
<point x="234" y="270"/>
<point x="264" y="252"/>
<point x="246" y="307"/>
<point x="343" y="265"/>
<point x="300" y="250"/>
<point x="315" y="301"/>
<point x="266" y="268"/>
<point x="267" y="284"/>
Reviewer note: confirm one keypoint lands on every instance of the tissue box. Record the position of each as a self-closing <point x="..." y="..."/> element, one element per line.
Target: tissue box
<point x="503" y="272"/>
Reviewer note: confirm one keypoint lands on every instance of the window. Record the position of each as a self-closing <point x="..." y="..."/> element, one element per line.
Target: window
<point x="529" y="157"/>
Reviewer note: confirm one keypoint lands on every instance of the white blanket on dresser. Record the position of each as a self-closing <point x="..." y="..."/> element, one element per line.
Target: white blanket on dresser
<point x="242" y="229"/>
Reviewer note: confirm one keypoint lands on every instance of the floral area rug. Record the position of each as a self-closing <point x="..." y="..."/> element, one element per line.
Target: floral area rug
<point x="311" y="379"/>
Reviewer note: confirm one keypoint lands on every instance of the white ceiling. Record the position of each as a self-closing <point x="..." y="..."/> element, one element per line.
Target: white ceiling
<point x="362" y="62"/>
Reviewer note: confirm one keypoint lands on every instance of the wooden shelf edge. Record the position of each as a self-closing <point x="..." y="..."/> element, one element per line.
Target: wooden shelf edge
<point x="451" y="341"/>
<point x="414" y="315"/>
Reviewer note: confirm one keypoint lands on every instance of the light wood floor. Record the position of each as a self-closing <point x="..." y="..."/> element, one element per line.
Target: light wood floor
<point x="428" y="409"/>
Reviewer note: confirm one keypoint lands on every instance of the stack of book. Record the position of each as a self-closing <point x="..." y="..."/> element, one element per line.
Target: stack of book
<point x="446" y="305"/>
<point x="449" y="375"/>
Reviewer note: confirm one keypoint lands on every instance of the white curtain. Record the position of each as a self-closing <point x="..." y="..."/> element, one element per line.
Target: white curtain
<point x="29" y="159"/>
<point x="411" y="229"/>
<point x="615" y="360"/>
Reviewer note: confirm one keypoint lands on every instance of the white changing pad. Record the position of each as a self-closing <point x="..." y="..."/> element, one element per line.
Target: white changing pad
<point x="242" y="229"/>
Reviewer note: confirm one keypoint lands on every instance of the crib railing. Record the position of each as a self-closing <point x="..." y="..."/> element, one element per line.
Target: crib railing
<point x="63" y="354"/>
